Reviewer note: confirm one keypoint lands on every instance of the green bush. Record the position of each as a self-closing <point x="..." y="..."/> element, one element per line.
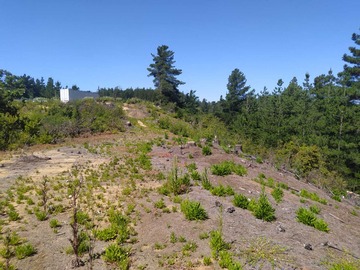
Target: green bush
<point x="193" y="210"/>
<point x="24" y="251"/>
<point x="307" y="217"/>
<point x="195" y="175"/>
<point x="222" y="169"/>
<point x="312" y="196"/>
<point x="160" y="204"/>
<point x="277" y="194"/>
<point x="13" y="215"/>
<point x="241" y="201"/>
<point x="315" y="209"/>
<point x="175" y="184"/>
<point x="54" y="223"/>
<point x="117" y="254"/>
<point x="239" y="169"/>
<point x="41" y="215"/>
<point x="205" y="182"/>
<point x="106" y="234"/>
<point x="263" y="209"/>
<point x="218" y="244"/>
<point x="228" y="167"/>
<point x="206" y="150"/>
<point x="222" y="191"/>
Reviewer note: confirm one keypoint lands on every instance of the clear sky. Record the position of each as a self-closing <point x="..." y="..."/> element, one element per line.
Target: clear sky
<point x="109" y="43"/>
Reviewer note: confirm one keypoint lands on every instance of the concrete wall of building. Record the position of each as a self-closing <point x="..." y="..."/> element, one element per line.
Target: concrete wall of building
<point x="67" y="95"/>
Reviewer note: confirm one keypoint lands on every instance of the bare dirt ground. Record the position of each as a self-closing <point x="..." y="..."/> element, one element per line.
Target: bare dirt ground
<point x="152" y="247"/>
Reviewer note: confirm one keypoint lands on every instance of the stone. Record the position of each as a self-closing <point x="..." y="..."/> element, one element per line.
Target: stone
<point x="280" y="228"/>
<point x="230" y="210"/>
<point x="308" y="247"/>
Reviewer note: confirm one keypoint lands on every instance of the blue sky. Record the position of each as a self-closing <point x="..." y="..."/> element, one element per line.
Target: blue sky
<point x="109" y="43"/>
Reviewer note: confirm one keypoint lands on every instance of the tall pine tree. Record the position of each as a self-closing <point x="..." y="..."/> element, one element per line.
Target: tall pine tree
<point x="165" y="73"/>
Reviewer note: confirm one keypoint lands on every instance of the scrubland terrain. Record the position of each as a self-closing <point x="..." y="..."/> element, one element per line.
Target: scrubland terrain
<point x="145" y="199"/>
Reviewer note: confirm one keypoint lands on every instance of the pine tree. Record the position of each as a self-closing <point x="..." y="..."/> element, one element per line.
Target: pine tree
<point x="165" y="73"/>
<point x="237" y="91"/>
<point x="351" y="73"/>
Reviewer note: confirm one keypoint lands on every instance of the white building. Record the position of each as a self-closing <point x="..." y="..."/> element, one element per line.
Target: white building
<point x="67" y="95"/>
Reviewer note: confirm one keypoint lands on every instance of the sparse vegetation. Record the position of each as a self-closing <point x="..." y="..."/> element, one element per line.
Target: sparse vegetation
<point x="193" y="210"/>
<point x="263" y="209"/>
<point x="307" y="217"/>
<point x="241" y="201"/>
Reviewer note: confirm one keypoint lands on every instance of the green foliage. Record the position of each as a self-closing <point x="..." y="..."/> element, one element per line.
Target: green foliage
<point x="228" y="167"/>
<point x="189" y="247"/>
<point x="41" y="215"/>
<point x="222" y="191"/>
<point x="119" y="228"/>
<point x="241" y="201"/>
<point x="277" y="194"/>
<point x="307" y="217"/>
<point x="13" y="215"/>
<point x="175" y="184"/>
<point x="218" y="244"/>
<point x="263" y="209"/>
<point x="315" y="209"/>
<point x="54" y="223"/>
<point x="117" y="254"/>
<point x="206" y="150"/>
<point x="160" y="204"/>
<point x="165" y="73"/>
<point x="193" y="210"/>
<point x="262" y="250"/>
<point x="226" y="261"/>
<point x="205" y="181"/>
<point x="106" y="234"/>
<point x="312" y="196"/>
<point x="24" y="251"/>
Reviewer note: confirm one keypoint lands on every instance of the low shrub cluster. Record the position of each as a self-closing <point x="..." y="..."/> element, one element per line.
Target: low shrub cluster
<point x="312" y="196"/>
<point x="307" y="217"/>
<point x="228" y="167"/>
<point x="261" y="209"/>
<point x="193" y="210"/>
<point x="222" y="191"/>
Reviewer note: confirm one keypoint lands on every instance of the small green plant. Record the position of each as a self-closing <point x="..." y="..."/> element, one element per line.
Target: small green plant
<point x="160" y="204"/>
<point x="205" y="182"/>
<point x="315" y="209"/>
<point x="217" y="243"/>
<point x="24" y="251"/>
<point x="54" y="223"/>
<point x="13" y="215"/>
<point x="277" y="194"/>
<point x="41" y="215"/>
<point x="228" y="167"/>
<point x="206" y="150"/>
<point x="203" y="235"/>
<point x="159" y="246"/>
<point x="191" y="167"/>
<point x="307" y="217"/>
<point x="173" y="238"/>
<point x="189" y="247"/>
<point x="262" y="250"/>
<point x="241" y="201"/>
<point x="193" y="210"/>
<point x="263" y="209"/>
<point x="222" y="169"/>
<point x="207" y="261"/>
<point x="312" y="196"/>
<point x="117" y="254"/>
<point x="222" y="191"/>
